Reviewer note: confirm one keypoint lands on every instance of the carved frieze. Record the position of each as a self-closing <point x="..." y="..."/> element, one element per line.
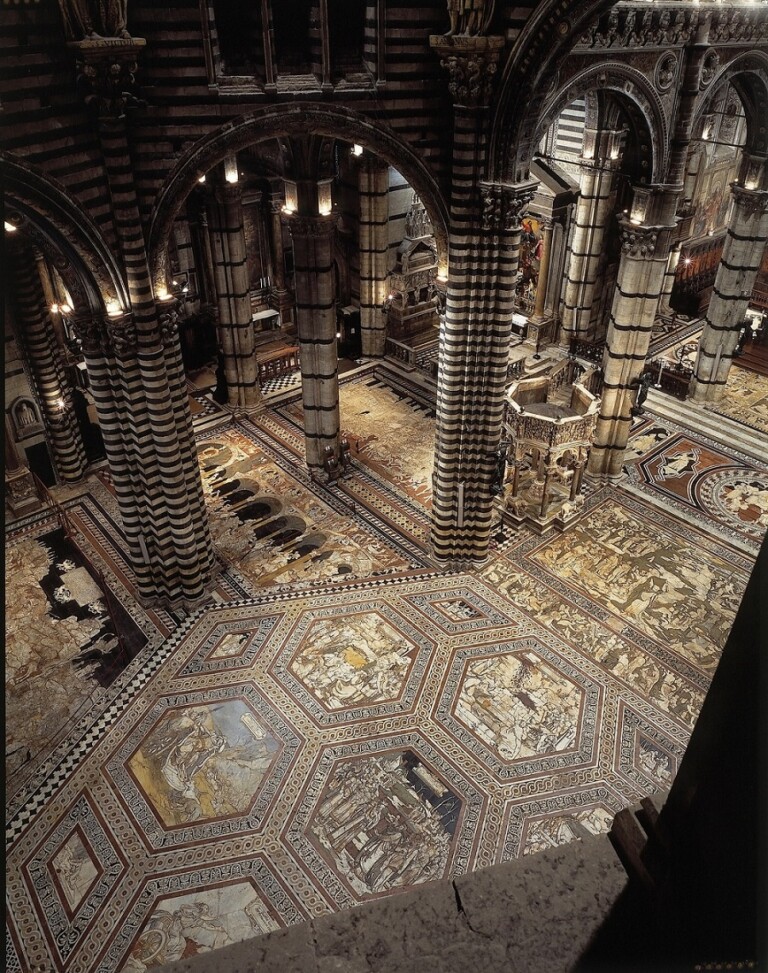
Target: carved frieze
<point x="471" y="63"/>
<point x="708" y="69"/>
<point x="668" y="26"/>
<point x="666" y="69"/>
<point x="310" y="226"/>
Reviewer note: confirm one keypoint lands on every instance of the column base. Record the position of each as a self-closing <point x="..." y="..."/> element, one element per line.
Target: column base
<point x="188" y="605"/>
<point x="458" y="564"/>
<point x="20" y="493"/>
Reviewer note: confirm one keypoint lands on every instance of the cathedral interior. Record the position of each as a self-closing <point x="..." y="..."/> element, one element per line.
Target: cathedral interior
<point x="386" y="399"/>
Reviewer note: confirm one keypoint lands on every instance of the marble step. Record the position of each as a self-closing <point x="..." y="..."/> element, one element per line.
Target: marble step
<point x="710" y="424"/>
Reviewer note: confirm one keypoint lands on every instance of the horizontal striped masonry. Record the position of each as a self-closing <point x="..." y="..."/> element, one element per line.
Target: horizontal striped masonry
<point x="635" y="301"/>
<point x="166" y="524"/>
<point x="743" y="249"/>
<point x="373" y="182"/>
<point x="594" y="211"/>
<point x="235" y="329"/>
<point x="49" y="379"/>
<point x="484" y="249"/>
<point x="316" y="326"/>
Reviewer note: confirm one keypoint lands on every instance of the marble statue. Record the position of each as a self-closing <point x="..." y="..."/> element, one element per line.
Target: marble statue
<point x="94" y="19"/>
<point x="469" y="17"/>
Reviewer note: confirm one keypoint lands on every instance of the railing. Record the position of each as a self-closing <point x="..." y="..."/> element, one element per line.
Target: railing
<point x="672" y="377"/>
<point x="45" y="497"/>
<point x="278" y="363"/>
<point x="591" y="350"/>
<point x="515" y="369"/>
<point x="400" y="351"/>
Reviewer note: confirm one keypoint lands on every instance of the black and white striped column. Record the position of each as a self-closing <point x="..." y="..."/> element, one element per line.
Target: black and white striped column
<point x="644" y="251"/>
<point x="235" y="327"/>
<point x="157" y="475"/>
<point x="316" y="326"/>
<point x="483" y="257"/>
<point x="594" y="210"/>
<point x="48" y="375"/>
<point x="373" y="182"/>
<point x="743" y="250"/>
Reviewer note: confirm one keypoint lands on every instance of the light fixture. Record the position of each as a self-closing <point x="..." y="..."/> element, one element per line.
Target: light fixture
<point x="9" y="227"/>
<point x="162" y="294"/>
<point x="338" y="335"/>
<point x="230" y="169"/>
<point x="201" y="178"/>
<point x="324" y="197"/>
<point x="113" y="309"/>
<point x="54" y="308"/>
<point x="60" y="404"/>
<point x="66" y="308"/>
<point x="357" y="149"/>
<point x="687" y="261"/>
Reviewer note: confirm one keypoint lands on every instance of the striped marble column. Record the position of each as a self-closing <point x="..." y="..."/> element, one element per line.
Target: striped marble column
<point x="47" y="371"/>
<point x="373" y="182"/>
<point x="235" y="327"/>
<point x="743" y="249"/>
<point x="644" y="251"/>
<point x="153" y="458"/>
<point x="316" y="326"/>
<point x="483" y="257"/>
<point x="594" y="210"/>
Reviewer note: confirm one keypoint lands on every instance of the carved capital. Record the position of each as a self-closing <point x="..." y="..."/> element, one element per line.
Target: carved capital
<point x="638" y="241"/>
<point x="751" y="202"/>
<point x="310" y="226"/>
<point x="122" y="336"/>
<point x="503" y="206"/>
<point x="89" y="335"/>
<point x="168" y="323"/>
<point x="471" y="63"/>
<point x="106" y="75"/>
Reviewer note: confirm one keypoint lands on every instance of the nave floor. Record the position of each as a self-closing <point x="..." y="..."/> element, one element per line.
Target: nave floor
<point x="343" y="721"/>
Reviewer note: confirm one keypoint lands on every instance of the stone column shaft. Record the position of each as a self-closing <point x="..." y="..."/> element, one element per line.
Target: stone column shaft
<point x="280" y="296"/>
<point x="156" y="473"/>
<point x="594" y="210"/>
<point x="544" y="264"/>
<point x="316" y="326"/>
<point x="743" y="249"/>
<point x="374" y="218"/>
<point x="49" y="378"/>
<point x="483" y="256"/>
<point x="638" y="285"/>
<point x="235" y="327"/>
<point x="669" y="280"/>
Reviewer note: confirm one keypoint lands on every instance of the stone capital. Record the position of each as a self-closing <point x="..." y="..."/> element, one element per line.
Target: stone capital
<point x="122" y="338"/>
<point x="106" y="69"/>
<point x="310" y="226"/>
<point x="638" y="240"/>
<point x="472" y="63"/>
<point x="751" y="202"/>
<point x="89" y="334"/>
<point x="503" y="204"/>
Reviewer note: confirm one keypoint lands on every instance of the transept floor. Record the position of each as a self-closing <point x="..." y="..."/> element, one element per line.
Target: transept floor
<point x="343" y="721"/>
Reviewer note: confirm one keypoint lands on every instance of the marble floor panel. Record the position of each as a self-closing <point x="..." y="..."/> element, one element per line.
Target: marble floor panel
<point x="707" y="482"/>
<point x="342" y="722"/>
<point x="283" y="757"/>
<point x="745" y="399"/>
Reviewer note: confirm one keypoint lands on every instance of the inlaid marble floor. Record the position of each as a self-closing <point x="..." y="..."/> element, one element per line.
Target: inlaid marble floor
<point x="318" y="736"/>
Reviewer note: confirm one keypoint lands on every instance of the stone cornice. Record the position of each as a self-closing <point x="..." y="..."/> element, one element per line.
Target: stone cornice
<point x="751" y="202"/>
<point x="106" y="70"/>
<point x="311" y="226"/>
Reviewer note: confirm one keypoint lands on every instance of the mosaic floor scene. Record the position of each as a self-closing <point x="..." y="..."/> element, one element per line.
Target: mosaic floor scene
<point x="343" y="721"/>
